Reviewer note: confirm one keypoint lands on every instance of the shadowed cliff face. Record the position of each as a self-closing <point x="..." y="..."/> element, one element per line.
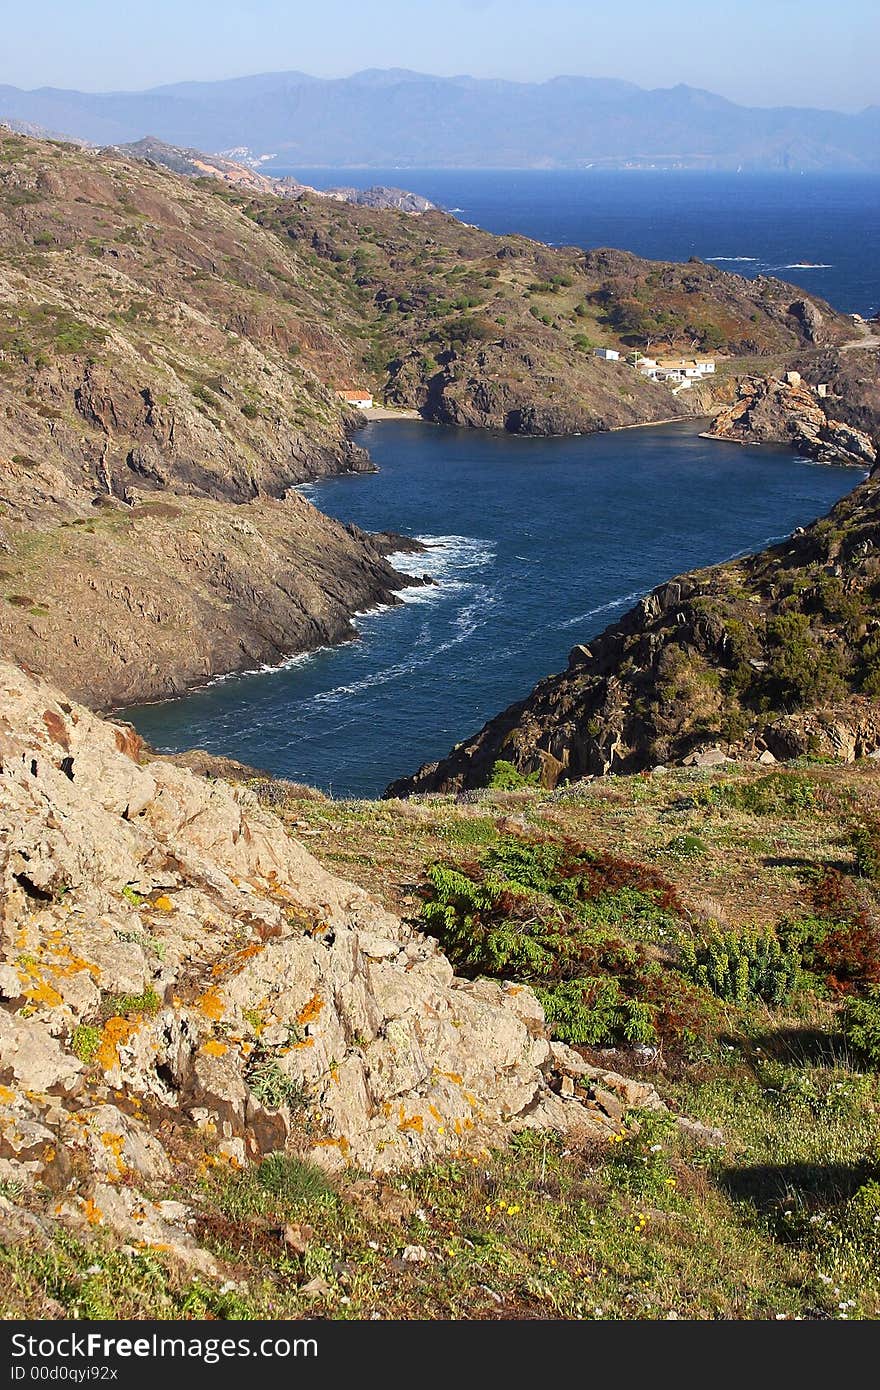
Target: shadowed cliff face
<point x="778" y="652"/>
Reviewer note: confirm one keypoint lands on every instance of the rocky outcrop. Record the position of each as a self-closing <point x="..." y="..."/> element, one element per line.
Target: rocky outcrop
<point x="380" y="195"/>
<point x="774" y="655"/>
<point x="516" y="386"/>
<point x="789" y="411"/>
<point x="243" y="173"/>
<point x="179" y="975"/>
<point x="130" y="603"/>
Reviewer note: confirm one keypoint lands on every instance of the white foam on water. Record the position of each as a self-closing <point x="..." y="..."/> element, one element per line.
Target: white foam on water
<point x="807" y="265"/>
<point x="742" y="259"/>
<point x="444" y="561"/>
<point x="604" y="608"/>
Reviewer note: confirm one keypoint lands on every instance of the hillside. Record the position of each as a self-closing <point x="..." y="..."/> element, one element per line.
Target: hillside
<point x="406" y="119"/>
<point x="498" y="332"/>
<point x="235" y="1085"/>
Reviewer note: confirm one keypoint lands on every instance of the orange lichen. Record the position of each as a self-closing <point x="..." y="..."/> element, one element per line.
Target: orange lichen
<point x="93" y="1213"/>
<point x="211" y="1003"/>
<point x="7" y="1095"/>
<point x="341" y="1144"/>
<point x="38" y="990"/>
<point x="239" y="960"/>
<point x="116" y="1031"/>
<point x="413" y="1122"/>
<point x="163" y="904"/>
<point x="214" y="1047"/>
<point x="311" y="1010"/>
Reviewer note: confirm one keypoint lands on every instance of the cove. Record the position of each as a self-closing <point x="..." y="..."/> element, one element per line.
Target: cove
<point x="536" y="544"/>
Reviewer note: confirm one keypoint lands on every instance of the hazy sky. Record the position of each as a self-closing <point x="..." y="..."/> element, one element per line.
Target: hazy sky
<point x="761" y="52"/>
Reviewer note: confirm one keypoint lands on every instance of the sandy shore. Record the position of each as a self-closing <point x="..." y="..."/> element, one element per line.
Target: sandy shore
<point x="387" y="412"/>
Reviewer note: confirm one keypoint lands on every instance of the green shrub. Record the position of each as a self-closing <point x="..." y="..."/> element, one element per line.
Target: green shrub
<point x="594" y="1012"/>
<point x="122" y="1004"/>
<point x="250" y="411"/>
<point x="272" y="1087"/>
<point x="800" y="670"/>
<point x="685" y="846"/>
<point x="777" y="794"/>
<point x="505" y="777"/>
<point x="743" y="967"/>
<point x="861" y="1026"/>
<point x="865" y="841"/>
<point x="548" y="913"/>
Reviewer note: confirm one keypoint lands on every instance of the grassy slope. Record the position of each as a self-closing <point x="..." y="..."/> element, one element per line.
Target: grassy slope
<point x="780" y="1222"/>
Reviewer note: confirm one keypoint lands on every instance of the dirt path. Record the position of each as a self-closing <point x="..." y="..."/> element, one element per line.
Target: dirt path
<point x="867" y="339"/>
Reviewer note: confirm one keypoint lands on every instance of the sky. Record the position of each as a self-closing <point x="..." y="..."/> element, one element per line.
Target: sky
<point x="759" y="52"/>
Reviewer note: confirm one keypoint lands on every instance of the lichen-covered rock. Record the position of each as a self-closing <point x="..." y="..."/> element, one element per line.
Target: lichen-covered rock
<point x="173" y="963"/>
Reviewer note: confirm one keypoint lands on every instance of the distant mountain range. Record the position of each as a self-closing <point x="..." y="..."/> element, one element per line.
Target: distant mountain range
<point x="397" y="118"/>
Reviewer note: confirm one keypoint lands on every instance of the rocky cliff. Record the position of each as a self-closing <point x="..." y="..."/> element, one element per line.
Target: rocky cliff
<point x="183" y="985"/>
<point x="163" y="387"/>
<point x="774" y="655"/>
<point x="788" y="410"/>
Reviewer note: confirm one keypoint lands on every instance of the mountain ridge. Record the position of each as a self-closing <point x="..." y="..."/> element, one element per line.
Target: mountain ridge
<point x="386" y="117"/>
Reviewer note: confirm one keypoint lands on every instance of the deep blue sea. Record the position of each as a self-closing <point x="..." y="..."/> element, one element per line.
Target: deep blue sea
<point x="821" y="231"/>
<point x="538" y="544"/>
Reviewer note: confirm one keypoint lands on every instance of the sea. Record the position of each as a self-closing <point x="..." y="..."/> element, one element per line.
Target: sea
<point x="537" y="544"/>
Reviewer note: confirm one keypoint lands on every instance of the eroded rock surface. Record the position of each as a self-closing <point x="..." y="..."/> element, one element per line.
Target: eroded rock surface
<point x="177" y="970"/>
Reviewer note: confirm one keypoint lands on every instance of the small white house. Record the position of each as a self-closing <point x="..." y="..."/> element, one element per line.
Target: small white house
<point x="607" y="354"/>
<point x="361" y="399"/>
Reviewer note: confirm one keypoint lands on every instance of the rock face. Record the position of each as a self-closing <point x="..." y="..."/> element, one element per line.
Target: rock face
<point x="176" y="969"/>
<point x="778" y="652"/>
<point x="773" y="410"/>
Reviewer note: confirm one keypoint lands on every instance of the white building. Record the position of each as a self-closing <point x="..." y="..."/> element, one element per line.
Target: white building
<point x="361" y="399"/>
<point x="607" y="354"/>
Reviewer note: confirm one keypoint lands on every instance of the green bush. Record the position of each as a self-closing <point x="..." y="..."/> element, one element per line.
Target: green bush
<point x="685" y="846"/>
<point x="861" y="1026"/>
<point x="800" y="671"/>
<point x="121" y="1004"/>
<point x="594" y="1012"/>
<point x="743" y="967"/>
<point x="777" y="794"/>
<point x="865" y="841"/>
<point x="85" y="1042"/>
<point x="506" y="778"/>
<point x="573" y="925"/>
<point x="272" y="1087"/>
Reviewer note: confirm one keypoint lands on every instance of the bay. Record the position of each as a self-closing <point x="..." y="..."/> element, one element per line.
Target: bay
<point x="536" y="544"/>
